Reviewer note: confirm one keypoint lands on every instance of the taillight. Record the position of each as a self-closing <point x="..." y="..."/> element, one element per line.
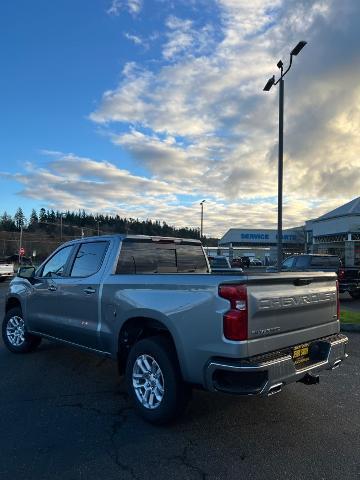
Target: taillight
<point x="341" y="273"/>
<point x="235" y="320"/>
<point x="337" y="300"/>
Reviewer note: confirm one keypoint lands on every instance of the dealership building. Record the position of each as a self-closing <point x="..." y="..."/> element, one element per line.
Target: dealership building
<point x="336" y="233"/>
<point x="261" y="243"/>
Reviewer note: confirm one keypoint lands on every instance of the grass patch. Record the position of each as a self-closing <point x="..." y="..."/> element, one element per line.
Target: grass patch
<point x="349" y="317"/>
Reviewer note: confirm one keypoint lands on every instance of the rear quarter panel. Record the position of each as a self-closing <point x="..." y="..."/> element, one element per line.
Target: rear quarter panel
<point x="187" y="304"/>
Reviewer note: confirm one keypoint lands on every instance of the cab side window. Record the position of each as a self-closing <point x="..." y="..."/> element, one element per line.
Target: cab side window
<point x="55" y="267"/>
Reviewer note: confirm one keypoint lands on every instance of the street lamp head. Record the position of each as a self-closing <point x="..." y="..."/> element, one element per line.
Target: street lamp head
<point x="269" y="83"/>
<point x="280" y="64"/>
<point x="201" y="203"/>
<point x="296" y="50"/>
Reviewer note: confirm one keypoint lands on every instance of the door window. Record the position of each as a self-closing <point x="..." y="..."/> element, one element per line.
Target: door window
<point x="55" y="267"/>
<point x="88" y="259"/>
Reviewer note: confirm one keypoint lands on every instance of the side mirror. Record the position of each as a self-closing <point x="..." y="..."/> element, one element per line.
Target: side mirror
<point x="26" y="272"/>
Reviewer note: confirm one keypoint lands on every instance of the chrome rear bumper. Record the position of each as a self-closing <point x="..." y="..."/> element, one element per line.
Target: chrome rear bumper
<point x="267" y="374"/>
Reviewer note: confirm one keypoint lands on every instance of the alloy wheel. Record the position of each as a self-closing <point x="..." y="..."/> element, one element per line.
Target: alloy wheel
<point x="15" y="331"/>
<point x="148" y="381"/>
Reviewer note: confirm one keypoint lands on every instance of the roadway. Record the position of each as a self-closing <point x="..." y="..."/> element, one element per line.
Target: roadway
<point x="64" y="414"/>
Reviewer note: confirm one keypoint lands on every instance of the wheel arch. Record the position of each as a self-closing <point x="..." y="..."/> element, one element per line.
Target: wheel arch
<point x="12" y="302"/>
<point x="137" y="328"/>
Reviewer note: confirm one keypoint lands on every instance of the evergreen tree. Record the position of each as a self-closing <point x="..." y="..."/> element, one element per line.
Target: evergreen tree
<point x="42" y="216"/>
<point x="19" y="218"/>
<point x="34" y="220"/>
<point x="47" y="222"/>
<point x="7" y="223"/>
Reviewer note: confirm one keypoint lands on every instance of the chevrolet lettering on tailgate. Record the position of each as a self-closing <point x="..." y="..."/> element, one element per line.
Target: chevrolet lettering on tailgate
<point x="295" y="301"/>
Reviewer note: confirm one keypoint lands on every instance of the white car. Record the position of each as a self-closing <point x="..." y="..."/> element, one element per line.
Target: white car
<point x="6" y="271"/>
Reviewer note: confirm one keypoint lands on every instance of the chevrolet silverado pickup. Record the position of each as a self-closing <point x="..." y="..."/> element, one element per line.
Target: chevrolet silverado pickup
<point x="153" y="305"/>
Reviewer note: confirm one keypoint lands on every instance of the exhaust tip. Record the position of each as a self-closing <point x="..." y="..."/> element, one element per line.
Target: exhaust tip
<point x="336" y="364"/>
<point x="275" y="389"/>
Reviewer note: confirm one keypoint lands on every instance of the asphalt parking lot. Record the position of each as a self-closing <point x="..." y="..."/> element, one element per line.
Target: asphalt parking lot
<point x="64" y="414"/>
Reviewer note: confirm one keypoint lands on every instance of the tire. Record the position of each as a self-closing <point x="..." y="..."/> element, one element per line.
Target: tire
<point x="355" y="294"/>
<point x="167" y="394"/>
<point x="14" y="334"/>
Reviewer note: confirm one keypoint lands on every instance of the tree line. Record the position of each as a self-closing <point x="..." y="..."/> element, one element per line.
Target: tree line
<point x="82" y="223"/>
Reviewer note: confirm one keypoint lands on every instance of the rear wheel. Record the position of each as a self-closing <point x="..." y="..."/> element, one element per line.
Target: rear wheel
<point x="14" y="333"/>
<point x="154" y="380"/>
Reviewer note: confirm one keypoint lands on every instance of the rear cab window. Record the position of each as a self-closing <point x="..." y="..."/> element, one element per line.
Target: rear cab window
<point x="88" y="259"/>
<point x="145" y="257"/>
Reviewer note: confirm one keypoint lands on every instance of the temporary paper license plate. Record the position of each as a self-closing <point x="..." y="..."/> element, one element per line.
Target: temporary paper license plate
<point x="300" y="353"/>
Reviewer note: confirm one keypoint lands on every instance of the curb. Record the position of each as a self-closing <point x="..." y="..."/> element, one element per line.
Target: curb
<point x="350" y="327"/>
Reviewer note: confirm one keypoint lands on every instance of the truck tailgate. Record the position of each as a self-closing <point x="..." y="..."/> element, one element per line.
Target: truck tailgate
<point x="284" y="303"/>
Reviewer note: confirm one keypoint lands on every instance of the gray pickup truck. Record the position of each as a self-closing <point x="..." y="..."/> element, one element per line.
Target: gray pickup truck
<point x="153" y="305"/>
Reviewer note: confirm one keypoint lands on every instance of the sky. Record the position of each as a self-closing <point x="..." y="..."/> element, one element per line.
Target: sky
<point x="144" y="108"/>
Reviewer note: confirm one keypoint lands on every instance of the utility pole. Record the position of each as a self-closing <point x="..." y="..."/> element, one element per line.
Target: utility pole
<point x="61" y="226"/>
<point x="267" y="87"/>
<point x="20" y="246"/>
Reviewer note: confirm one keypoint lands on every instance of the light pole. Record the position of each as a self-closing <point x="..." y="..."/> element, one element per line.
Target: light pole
<point x="98" y="227"/>
<point x="202" y="218"/>
<point x="267" y="87"/>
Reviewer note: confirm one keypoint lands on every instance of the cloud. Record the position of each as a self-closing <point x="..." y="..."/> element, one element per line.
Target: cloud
<point x="195" y="119"/>
<point x="134" y="38"/>
<point x="210" y="122"/>
<point x="71" y="182"/>
<point x="132" y="6"/>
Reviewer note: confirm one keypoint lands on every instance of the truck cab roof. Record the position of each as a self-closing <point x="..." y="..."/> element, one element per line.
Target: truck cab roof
<point x="139" y="238"/>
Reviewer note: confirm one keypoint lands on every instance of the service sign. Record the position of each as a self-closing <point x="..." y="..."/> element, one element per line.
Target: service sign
<point x="261" y="236"/>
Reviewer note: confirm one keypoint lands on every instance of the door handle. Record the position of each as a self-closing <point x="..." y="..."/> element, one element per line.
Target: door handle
<point x="52" y="288"/>
<point x="89" y="290"/>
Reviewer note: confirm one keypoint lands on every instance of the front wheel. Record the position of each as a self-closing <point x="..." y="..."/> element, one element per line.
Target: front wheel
<point x="14" y="333"/>
<point x="154" y="380"/>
